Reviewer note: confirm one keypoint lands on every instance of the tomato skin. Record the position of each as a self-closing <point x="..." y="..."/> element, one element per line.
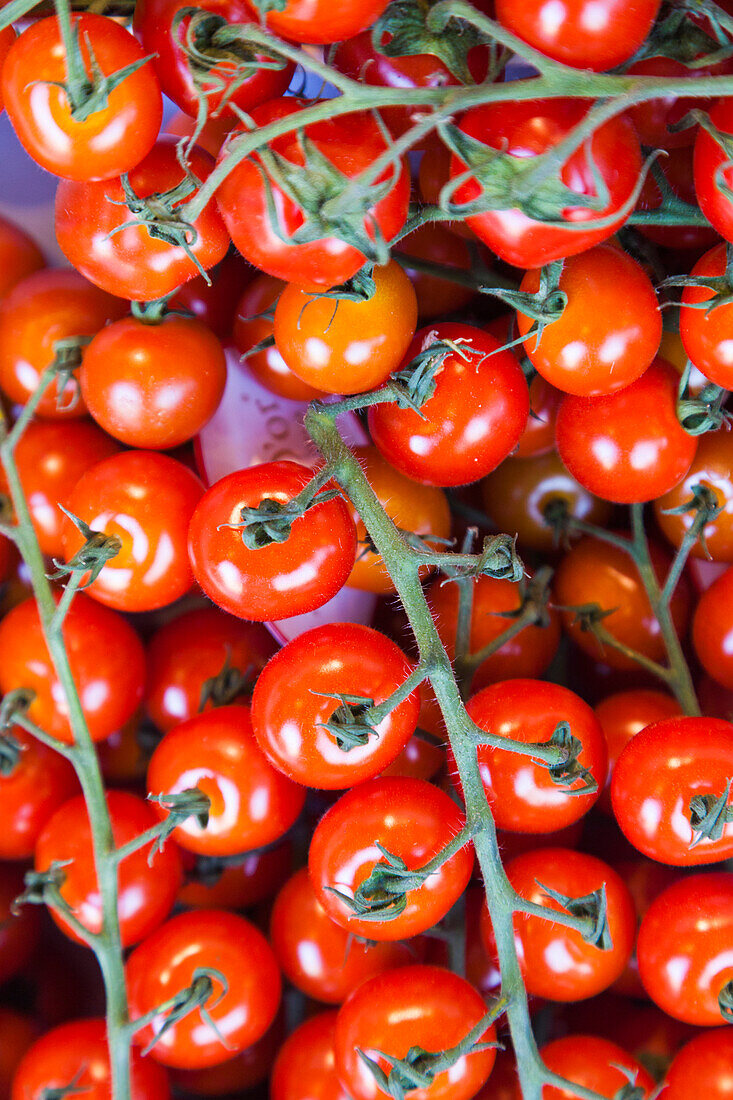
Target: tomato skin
<point x="39" y="783"/>
<point x="332" y="965"/>
<point x="268" y="583"/>
<point x="556" y="962"/>
<point x="319" y="21"/>
<point x="712" y="467"/>
<point x="622" y="716"/>
<point x="433" y="241"/>
<point x="129" y="262"/>
<point x="423" y="1006"/>
<point x="705" y="334"/>
<point x="351" y="144"/>
<point x="250" y="879"/>
<point x="525" y="656"/>
<point x="146" y="890"/>
<point x="111" y="140"/>
<point x="214" y="304"/>
<point x="164" y="963"/>
<point x="347" y="347"/>
<point x="146" y="499"/>
<point x="474" y="419"/>
<point x="581" y="33"/>
<point x="223" y="87"/>
<point x="192" y="648"/>
<point x="106" y="658"/>
<point x="45" y="307"/>
<point x="538" y="438"/>
<point x="656" y="776"/>
<point x="702" y="1067"/>
<point x="683" y="947"/>
<point x="522" y="795"/>
<point x="609" y="331"/>
<point x="77" y="1051"/>
<point x="412" y="820"/>
<point x="242" y="1072"/>
<point x="252" y="804"/>
<point x="628" y="446"/>
<point x="528" y="129"/>
<point x="652" y="119"/>
<point x="597" y="572"/>
<point x="596" y="1063"/>
<point x="712" y="630"/>
<point x="153" y="386"/>
<point x="709" y="159"/>
<point x="20" y="256"/>
<point x="306" y="1060"/>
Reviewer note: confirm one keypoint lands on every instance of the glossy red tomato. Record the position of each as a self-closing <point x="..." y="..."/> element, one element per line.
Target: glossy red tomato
<point x="654" y="118"/>
<point x="556" y="962"/>
<point x="238" y="1074"/>
<point x="712" y="630"/>
<point x="413" y="821"/>
<point x="279" y="579"/>
<point x="705" y="332"/>
<point x="351" y="144"/>
<point x="164" y="964"/>
<point x="472" y="421"/>
<point x="319" y="957"/>
<point x="609" y="331"/>
<point x="581" y="33"/>
<point x="38" y="783"/>
<point x="622" y="716"/>
<point x="661" y="770"/>
<point x="153" y="386"/>
<point x="684" y="947"/>
<point x="646" y="880"/>
<point x="251" y="803"/>
<point x="40" y="310"/>
<point x="415" y="1006"/>
<point x="710" y="164"/>
<point x="213" y="299"/>
<point x="225" y="84"/>
<point x="703" y="1067"/>
<point x="146" y="500"/>
<point x="538" y="437"/>
<point x="111" y="139"/>
<point x="344" y="346"/>
<point x="193" y="648"/>
<point x="297" y="694"/>
<point x="628" y="446"/>
<point x="147" y="885"/>
<point x="595" y="1063"/>
<point x="522" y="793"/>
<point x="712" y="467"/>
<point x="528" y="129"/>
<point x="77" y="1052"/>
<point x="19" y="254"/>
<point x="318" y="20"/>
<point x="306" y="1058"/>
<point x="106" y="659"/>
<point x="130" y="261"/>
<point x="248" y="879"/>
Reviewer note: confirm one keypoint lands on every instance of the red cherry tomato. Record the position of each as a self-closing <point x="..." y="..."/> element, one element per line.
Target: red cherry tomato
<point x="164" y="964"/>
<point x="214" y="302"/>
<point x="705" y="332"/>
<point x="250" y="878"/>
<point x="240" y="1073"/>
<point x="252" y="804"/>
<point x="703" y="1067"/>
<point x="538" y="437"/>
<point x="711" y="164"/>
<point x="654" y="118"/>
<point x="277" y="580"/>
<point x="19" y="254"/>
<point x="307" y="1055"/>
<point x="31" y="791"/>
<point x="712" y="630"/>
<point x="711" y="467"/>
<point x="318" y="20"/>
<point x="622" y="716"/>
<point x="412" y="820"/>
<point x="595" y="1063"/>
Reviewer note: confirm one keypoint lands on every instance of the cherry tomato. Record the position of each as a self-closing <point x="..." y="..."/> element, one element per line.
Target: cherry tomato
<point x="596" y="1063"/>
<point x="240" y="1073"/>
<point x="76" y="1054"/>
<point x="318" y="956"/>
<point x="712" y="630"/>
<point x="581" y="33"/>
<point x="434" y="242"/>
<point x="683" y="947"/>
<point x="420" y="759"/>
<point x="210" y="138"/>
<point x="146" y="500"/>
<point x="129" y="261"/>
<point x="597" y="572"/>
<point x="148" y="883"/>
<point x="473" y="419"/>
<point x="183" y="654"/>
<point x="277" y="580"/>
<point x="165" y="963"/>
<point x="298" y="694"/>
<point x="345" y="346"/>
<point x="252" y="803"/>
<point x="556" y="962"/>
<point x="410" y="819"/>
<point x="318" y="20"/>
<point x="705" y="332"/>
<point x="538" y="438"/>
<point x="528" y="129"/>
<point x="153" y="386"/>
<point x="20" y="256"/>
<point x="45" y="308"/>
<point x="351" y="144"/>
<point x="526" y="655"/>
<point x="622" y="716"/>
<point x="414" y="1006"/>
<point x="35" y="786"/>
<point x="677" y="170"/>
<point x="306" y="1059"/>
<point x="628" y="446"/>
<point x="609" y="331"/>
<point x="213" y="300"/>
<point x="106" y="658"/>
<point x="712" y="467"/>
<point x="704" y="1067"/>
<point x="113" y="137"/>
<point x="517" y="493"/>
<point x="19" y="929"/>
<point x="248" y="879"/>
<point x="523" y="795"/>
<point x="654" y="118"/>
<point x="710" y="165"/>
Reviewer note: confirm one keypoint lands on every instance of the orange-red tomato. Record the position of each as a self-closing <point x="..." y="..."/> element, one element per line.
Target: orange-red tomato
<point x="19" y="254"/>
<point x="711" y="467"/>
<point x="712" y="630"/>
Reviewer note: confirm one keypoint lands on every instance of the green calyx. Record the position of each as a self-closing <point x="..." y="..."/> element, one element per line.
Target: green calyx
<point x="265" y="6"/>
<point x="592" y="909"/>
<point x="92" y="557"/>
<point x="67" y="357"/>
<point x="349" y="723"/>
<point x="227" y="685"/>
<point x="404" y="30"/>
<point x="677" y="36"/>
<point x="198" y="995"/>
<point x="158" y="213"/>
<point x="703" y="412"/>
<point x="383" y="895"/>
<point x="703" y="507"/>
<point x="569" y="770"/>
<point x="73" y="1088"/>
<point x="180" y="806"/>
<point x="710" y="815"/>
<point x="414" y="384"/>
<point x="725" y="1002"/>
<point x="271" y="521"/>
<point x="43" y="887"/>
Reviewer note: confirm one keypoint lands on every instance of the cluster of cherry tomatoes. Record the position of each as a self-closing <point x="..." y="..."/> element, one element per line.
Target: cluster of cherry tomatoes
<point x="283" y="790"/>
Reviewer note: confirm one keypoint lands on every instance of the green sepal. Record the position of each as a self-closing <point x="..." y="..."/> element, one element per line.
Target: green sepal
<point x="592" y="907"/>
<point x="569" y="770"/>
<point x="348" y="723"/>
<point x="710" y="815"/>
<point x="402" y="31"/>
